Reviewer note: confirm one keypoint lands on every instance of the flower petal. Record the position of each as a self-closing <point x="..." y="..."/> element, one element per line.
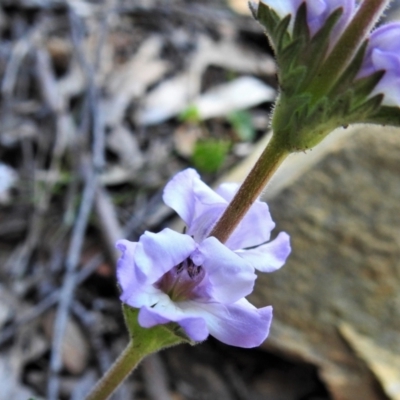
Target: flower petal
<point x="157" y="253"/>
<point x="165" y="312"/>
<point x="203" y="224"/>
<point x="383" y="53"/>
<point x="141" y="295"/>
<point x="255" y="228"/>
<point x="178" y="194"/>
<point x="187" y="195"/>
<point x="127" y="272"/>
<point x="317" y="13"/>
<point x="227" y="190"/>
<point x="270" y="256"/>
<point x="229" y="276"/>
<point x="239" y="324"/>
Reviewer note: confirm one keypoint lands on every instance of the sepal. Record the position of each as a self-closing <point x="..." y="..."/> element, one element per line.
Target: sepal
<point x="298" y="55"/>
<point x="385" y="116"/>
<point x="277" y="29"/>
<point x="150" y="340"/>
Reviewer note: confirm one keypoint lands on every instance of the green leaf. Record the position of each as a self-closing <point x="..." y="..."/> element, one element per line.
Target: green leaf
<point x="210" y="154"/>
<point x="190" y="114"/>
<point x="150" y="340"/>
<point x="242" y="124"/>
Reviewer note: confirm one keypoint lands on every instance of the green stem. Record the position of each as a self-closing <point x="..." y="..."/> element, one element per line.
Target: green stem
<point x="124" y="365"/>
<point x="346" y="47"/>
<point x="251" y="189"/>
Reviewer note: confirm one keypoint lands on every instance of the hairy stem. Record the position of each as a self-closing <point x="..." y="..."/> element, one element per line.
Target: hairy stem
<point x="251" y="189"/>
<point x="124" y="365"/>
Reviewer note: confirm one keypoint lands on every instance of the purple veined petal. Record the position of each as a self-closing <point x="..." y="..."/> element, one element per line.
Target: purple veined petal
<point x="141" y="295"/>
<point x="203" y="224"/>
<point x="383" y="53"/>
<point x="389" y="85"/>
<point x="386" y="60"/>
<point x="255" y="228"/>
<point x="157" y="253"/>
<point x="316" y="14"/>
<point x="127" y="272"/>
<point x="268" y="257"/>
<point x="385" y="36"/>
<point x="227" y="190"/>
<point x="239" y="324"/>
<point x="165" y="312"/>
<point x="319" y="13"/>
<point x="385" y="39"/>
<point x="178" y="194"/>
<point x="229" y="276"/>
<point x="188" y="195"/>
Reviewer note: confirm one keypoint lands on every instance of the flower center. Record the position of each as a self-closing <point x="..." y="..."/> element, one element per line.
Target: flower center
<point x="181" y="282"/>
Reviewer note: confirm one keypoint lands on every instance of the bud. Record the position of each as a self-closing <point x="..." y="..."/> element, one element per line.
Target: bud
<point x="330" y="74"/>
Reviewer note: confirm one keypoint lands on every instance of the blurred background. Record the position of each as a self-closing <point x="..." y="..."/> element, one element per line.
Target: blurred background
<point x="101" y="103"/>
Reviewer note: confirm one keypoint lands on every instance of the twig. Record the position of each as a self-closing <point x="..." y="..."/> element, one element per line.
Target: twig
<point x="50" y="300"/>
<point x="81" y="221"/>
<point x="88" y="320"/>
<point x="19" y="52"/>
<point x="108" y="221"/>
<point x="237" y="383"/>
<point x="69" y="283"/>
<point x="139" y="220"/>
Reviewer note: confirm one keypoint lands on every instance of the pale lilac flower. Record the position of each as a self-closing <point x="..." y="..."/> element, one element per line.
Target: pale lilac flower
<point x="383" y="53"/>
<point x="196" y="281"/>
<point x="317" y="12"/>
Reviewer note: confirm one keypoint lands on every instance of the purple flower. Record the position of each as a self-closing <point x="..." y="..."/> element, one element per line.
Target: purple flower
<point x="195" y="280"/>
<point x="317" y="12"/>
<point x="383" y="53"/>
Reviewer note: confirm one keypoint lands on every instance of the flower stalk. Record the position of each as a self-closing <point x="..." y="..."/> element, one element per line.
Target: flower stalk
<point x="124" y="365"/>
<point x="269" y="161"/>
